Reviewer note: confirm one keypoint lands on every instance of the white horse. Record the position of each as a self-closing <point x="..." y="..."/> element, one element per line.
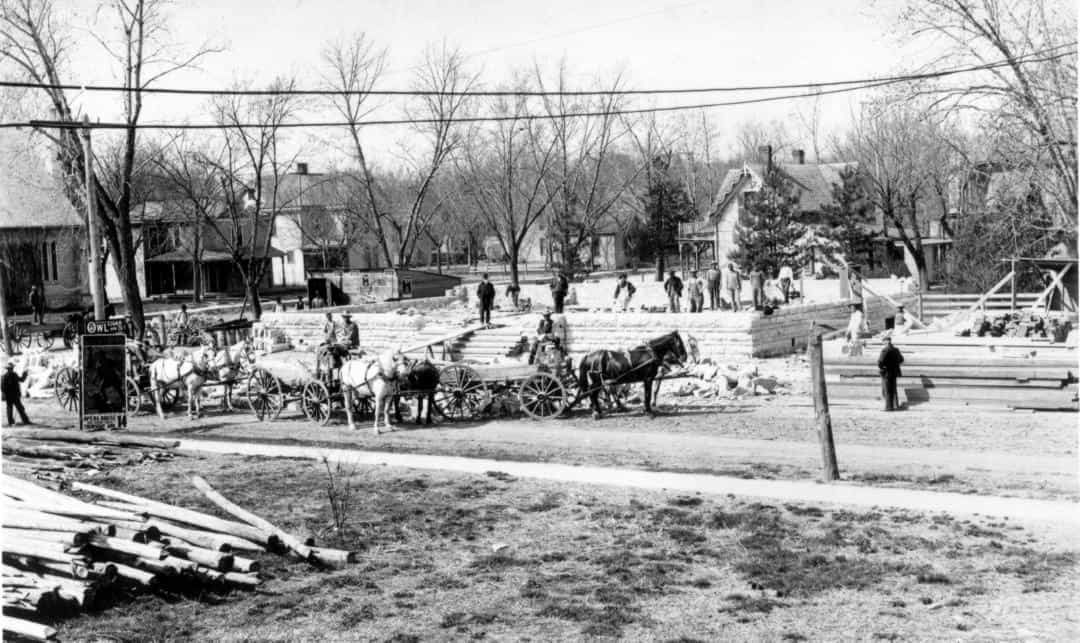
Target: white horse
<point x="224" y="365"/>
<point x="377" y="378"/>
<point x="187" y="374"/>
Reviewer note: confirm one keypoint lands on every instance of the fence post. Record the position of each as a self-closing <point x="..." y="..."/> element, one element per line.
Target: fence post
<point x="823" y="421"/>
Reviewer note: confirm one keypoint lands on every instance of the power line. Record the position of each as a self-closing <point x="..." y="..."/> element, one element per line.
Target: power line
<point x="494" y="119"/>
<point x="424" y="121"/>
<point x="1039" y="56"/>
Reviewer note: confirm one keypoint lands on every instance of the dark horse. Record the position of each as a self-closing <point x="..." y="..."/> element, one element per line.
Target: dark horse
<point x="421" y="382"/>
<point x="602" y="369"/>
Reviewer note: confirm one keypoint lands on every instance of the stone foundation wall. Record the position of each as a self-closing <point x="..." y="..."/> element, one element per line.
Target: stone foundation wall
<point x="378" y="331"/>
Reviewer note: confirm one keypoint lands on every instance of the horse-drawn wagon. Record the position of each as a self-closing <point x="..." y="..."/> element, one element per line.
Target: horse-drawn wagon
<point x="67" y="383"/>
<point x="24" y="334"/>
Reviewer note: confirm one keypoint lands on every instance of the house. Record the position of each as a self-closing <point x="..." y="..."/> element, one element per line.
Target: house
<point x="604" y="250"/>
<point x="42" y="240"/>
<point x="176" y="242"/>
<point x="712" y="238"/>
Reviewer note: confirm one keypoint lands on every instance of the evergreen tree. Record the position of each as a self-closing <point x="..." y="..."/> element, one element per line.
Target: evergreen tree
<point x="767" y="232"/>
<point x="666" y="205"/>
<point x="846" y="219"/>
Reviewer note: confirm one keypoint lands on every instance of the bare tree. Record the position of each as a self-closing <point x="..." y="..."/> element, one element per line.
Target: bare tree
<point x="587" y="180"/>
<point x="1033" y="96"/>
<point x="400" y="203"/>
<point x="190" y="174"/>
<point x="898" y="150"/>
<point x="251" y="169"/>
<point x="501" y="175"/>
<point x="34" y="41"/>
<point x="752" y="135"/>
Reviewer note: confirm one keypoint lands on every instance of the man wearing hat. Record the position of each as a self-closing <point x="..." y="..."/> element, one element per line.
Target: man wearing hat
<point x="545" y="332"/>
<point x="856" y="285"/>
<point x="11" y="393"/>
<point x="350" y="333"/>
<point x="889" y="368"/>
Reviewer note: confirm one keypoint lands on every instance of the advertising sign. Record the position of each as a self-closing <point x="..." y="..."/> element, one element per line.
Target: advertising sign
<point x="102" y="363"/>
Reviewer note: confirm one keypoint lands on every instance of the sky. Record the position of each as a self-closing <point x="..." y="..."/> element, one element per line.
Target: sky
<point x="655" y="44"/>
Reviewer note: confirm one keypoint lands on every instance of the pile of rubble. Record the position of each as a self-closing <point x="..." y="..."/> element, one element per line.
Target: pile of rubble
<point x="716" y="382"/>
<point x="61" y="454"/>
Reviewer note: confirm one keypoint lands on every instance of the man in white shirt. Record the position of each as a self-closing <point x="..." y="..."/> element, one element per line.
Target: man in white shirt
<point x="786" y="276"/>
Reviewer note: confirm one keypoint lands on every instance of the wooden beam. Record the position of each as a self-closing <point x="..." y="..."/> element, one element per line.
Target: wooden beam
<point x="998" y="286"/>
<point x="1040" y="301"/>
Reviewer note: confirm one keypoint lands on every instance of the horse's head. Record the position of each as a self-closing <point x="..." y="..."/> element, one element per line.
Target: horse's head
<point x="393" y="365"/>
<point x="670" y="348"/>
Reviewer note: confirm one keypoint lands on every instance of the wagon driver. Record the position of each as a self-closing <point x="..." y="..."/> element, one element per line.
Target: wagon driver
<point x="545" y="332"/>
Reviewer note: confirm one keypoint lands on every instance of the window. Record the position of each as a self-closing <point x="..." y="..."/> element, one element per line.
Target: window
<point x="48" y="262"/>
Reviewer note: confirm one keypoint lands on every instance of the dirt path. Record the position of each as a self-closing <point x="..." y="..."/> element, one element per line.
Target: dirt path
<point x="1047" y="513"/>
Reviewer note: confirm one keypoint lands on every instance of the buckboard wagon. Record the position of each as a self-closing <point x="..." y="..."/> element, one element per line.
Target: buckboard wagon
<point x="67" y="384"/>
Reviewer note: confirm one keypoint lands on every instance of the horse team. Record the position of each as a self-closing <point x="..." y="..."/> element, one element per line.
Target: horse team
<point x="390" y="374"/>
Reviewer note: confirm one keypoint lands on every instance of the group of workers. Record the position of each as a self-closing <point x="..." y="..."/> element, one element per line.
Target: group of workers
<point x="725" y="288"/>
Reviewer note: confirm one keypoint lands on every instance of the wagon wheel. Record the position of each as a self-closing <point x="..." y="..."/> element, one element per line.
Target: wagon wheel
<point x="315" y="402"/>
<point x="134" y="396"/>
<point x="543" y="396"/>
<point x="44" y="340"/>
<point x="66" y="386"/>
<point x="461" y="394"/>
<point x="70" y="334"/>
<point x="265" y="394"/>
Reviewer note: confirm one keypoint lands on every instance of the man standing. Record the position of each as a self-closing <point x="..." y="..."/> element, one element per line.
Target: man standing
<point x="559" y="287"/>
<point x="712" y="278"/>
<point x="733" y="286"/>
<point x="37" y="304"/>
<point x="695" y="292"/>
<point x="181" y="319"/>
<point x="673" y="288"/>
<point x="485" y="292"/>
<point x="624" y="291"/>
<point x="889" y="367"/>
<point x="299" y="302"/>
<point x="10" y="391"/>
<point x="757" y="287"/>
<point x="856" y="286"/>
<point x="786" y="276"/>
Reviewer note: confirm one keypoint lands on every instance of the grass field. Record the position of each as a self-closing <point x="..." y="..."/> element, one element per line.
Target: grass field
<point x="458" y="557"/>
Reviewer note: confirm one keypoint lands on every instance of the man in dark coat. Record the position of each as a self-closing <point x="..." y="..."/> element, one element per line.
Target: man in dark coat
<point x="37" y="304"/>
<point x="559" y="287"/>
<point x="12" y="394"/>
<point x="889" y="367"/>
<point x="545" y="332"/>
<point x="485" y="292"/>
<point x="673" y="288"/>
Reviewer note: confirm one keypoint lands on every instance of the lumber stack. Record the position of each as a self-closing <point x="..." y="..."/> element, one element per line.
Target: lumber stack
<point x="63" y="554"/>
<point x="58" y="453"/>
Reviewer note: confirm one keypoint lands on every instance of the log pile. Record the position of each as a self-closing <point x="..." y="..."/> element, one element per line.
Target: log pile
<point x="62" y="554"/>
<point x="59" y="454"/>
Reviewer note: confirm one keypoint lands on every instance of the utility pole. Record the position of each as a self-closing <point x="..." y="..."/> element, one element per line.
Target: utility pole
<point x="831" y="471"/>
<point x="9" y="343"/>
<point x="96" y="292"/>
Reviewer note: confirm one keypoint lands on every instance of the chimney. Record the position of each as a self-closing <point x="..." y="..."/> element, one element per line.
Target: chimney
<point x="301" y="168"/>
<point x="798" y="157"/>
<point x="765" y="155"/>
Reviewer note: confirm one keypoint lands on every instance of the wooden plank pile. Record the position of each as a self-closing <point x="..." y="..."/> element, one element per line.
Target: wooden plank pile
<point x="62" y="554"/>
<point x="60" y="454"/>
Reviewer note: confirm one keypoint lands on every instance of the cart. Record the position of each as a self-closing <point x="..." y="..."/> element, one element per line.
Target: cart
<point x="274" y="383"/>
<point x="546" y="389"/>
<point x="24" y="334"/>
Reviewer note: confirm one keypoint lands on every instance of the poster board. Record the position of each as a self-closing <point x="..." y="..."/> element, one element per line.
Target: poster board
<point x="103" y="368"/>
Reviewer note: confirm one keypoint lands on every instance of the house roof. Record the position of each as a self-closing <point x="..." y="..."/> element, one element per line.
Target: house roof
<point x="813" y="183"/>
<point x="30" y="196"/>
<point x="306" y="190"/>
